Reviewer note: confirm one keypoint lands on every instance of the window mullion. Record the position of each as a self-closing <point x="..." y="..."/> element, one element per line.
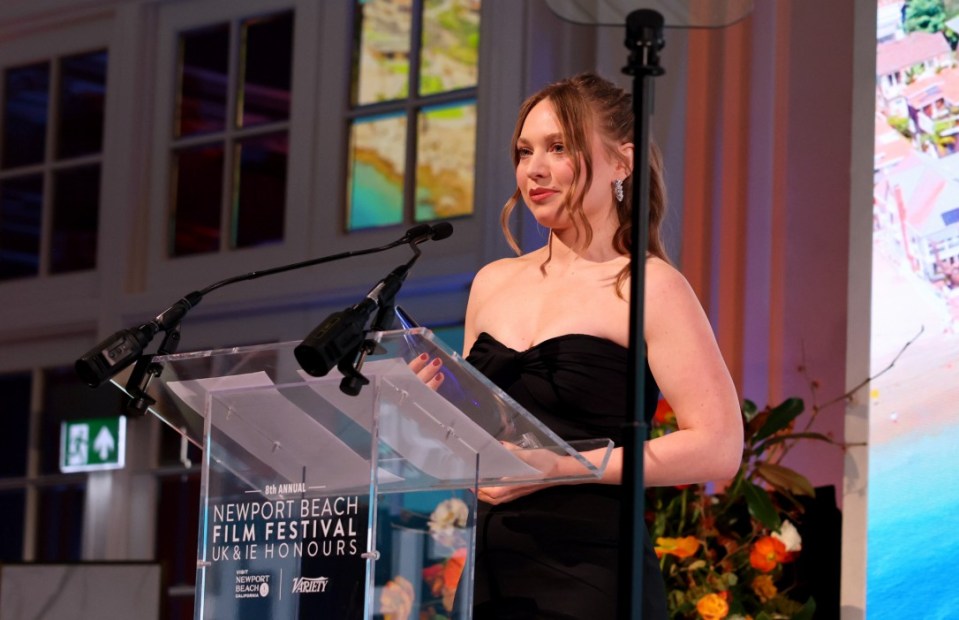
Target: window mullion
<point x="413" y="105"/>
<point x="46" y="208"/>
<point x="76" y="162"/>
<point x="230" y="160"/>
<point x="251" y="132"/>
<point x="409" y="181"/>
<point x="32" y="493"/>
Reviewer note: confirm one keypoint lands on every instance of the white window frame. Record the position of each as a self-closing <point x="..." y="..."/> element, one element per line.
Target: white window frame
<point x="184" y="273"/>
<point x="45" y="290"/>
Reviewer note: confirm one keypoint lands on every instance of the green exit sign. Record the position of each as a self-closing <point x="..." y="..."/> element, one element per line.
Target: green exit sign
<point x="92" y="445"/>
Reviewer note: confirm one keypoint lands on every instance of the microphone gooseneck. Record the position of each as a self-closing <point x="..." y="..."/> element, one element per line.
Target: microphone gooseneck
<point x="340" y="340"/>
<point x="123" y="348"/>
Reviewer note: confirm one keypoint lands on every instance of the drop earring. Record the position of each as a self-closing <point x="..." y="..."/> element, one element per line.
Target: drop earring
<point x="618" y="189"/>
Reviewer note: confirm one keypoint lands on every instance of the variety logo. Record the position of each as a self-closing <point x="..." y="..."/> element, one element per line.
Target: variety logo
<point x="309" y="585"/>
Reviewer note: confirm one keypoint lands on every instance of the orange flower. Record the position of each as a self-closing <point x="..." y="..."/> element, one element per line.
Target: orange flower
<point x="767" y="553"/>
<point x="433" y="576"/>
<point x="764" y="587"/>
<point x="444" y="577"/>
<point x="664" y="412"/>
<point x="712" y="607"/>
<point x="453" y="569"/>
<point x="680" y="547"/>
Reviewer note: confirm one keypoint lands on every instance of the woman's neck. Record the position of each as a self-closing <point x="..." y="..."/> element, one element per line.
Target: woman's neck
<point x="570" y="244"/>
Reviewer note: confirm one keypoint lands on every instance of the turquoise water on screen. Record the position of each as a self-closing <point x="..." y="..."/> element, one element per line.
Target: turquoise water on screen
<point x="913" y="544"/>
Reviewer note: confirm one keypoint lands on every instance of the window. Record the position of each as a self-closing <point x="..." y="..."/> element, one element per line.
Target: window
<point x="58" y="499"/>
<point x="950" y="217"/>
<point x="50" y="159"/>
<point x="413" y="111"/>
<point x="230" y="142"/>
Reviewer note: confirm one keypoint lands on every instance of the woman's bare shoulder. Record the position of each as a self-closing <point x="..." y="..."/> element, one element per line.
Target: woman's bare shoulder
<point x="503" y="270"/>
<point x="662" y="277"/>
<point x="671" y="300"/>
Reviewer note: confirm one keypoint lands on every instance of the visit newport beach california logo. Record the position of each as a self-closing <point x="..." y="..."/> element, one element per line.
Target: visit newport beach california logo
<point x="251" y="585"/>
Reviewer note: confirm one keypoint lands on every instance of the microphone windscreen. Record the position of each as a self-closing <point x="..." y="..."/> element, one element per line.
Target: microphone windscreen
<point x="418" y="233"/>
<point x="442" y="230"/>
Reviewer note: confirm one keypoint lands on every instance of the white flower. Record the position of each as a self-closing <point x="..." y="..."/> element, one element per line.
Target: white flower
<point x="789" y="536"/>
<point x="449" y="516"/>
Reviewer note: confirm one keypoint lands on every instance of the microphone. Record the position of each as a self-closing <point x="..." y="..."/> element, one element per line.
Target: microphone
<point x="441" y="231"/>
<point x="342" y="336"/>
<point x="124" y="347"/>
<point x="114" y="354"/>
<point x="437" y="232"/>
<point x="342" y="332"/>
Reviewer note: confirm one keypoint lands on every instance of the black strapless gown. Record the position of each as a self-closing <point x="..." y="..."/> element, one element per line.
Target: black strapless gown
<point x="554" y="553"/>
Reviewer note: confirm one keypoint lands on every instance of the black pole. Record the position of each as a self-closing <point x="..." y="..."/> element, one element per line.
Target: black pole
<point x="644" y="39"/>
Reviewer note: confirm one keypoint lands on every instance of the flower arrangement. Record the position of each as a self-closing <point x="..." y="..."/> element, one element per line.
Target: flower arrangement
<point x="400" y="599"/>
<point x="727" y="554"/>
<point x="447" y="527"/>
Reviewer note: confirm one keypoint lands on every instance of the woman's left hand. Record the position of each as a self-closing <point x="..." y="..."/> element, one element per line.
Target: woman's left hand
<point x="501" y="495"/>
<point x="542" y="459"/>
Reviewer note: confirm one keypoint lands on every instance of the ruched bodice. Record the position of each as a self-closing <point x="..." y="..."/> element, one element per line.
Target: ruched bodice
<point x="554" y="553"/>
<point x="576" y="384"/>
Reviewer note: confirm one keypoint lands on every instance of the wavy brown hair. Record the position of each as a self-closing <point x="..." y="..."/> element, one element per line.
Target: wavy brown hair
<point x="583" y="104"/>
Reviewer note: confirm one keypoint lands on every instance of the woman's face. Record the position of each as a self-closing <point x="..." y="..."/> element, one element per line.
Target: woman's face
<point x="544" y="173"/>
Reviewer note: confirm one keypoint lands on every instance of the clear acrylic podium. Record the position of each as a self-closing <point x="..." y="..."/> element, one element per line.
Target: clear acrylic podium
<point x="322" y="505"/>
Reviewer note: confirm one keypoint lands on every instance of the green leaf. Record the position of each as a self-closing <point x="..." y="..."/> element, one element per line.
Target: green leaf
<point x="760" y="506"/>
<point x="749" y="410"/>
<point x="735" y="487"/>
<point x="788" y="437"/>
<point x="763" y="616"/>
<point x="786" y="479"/>
<point x="780" y="417"/>
<point x="807" y="612"/>
<point x="730" y="579"/>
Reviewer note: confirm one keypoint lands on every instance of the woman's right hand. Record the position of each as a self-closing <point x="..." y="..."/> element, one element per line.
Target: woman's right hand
<point x="428" y="370"/>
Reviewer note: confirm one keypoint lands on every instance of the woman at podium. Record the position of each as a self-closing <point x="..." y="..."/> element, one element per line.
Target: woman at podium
<point x="551" y="328"/>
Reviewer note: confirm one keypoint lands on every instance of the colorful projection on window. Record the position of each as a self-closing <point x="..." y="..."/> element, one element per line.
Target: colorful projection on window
<point x="445" y="161"/>
<point x="449" y="58"/>
<point x="419" y="61"/>
<point x="383" y="51"/>
<point x="377" y="170"/>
